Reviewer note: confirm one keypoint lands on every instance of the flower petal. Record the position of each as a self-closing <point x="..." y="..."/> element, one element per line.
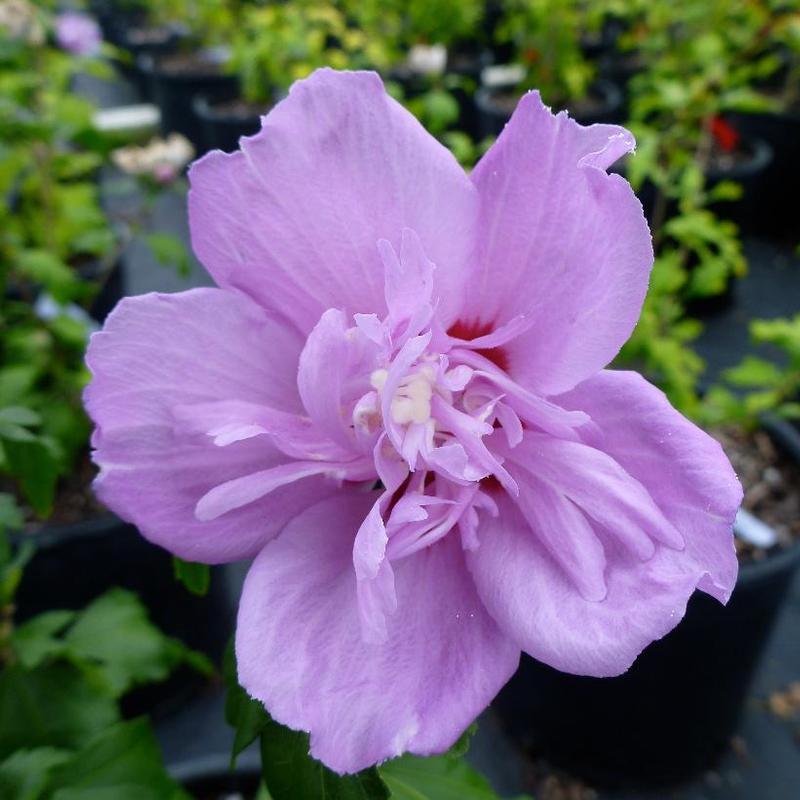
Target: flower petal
<point x="300" y="650"/>
<point x="687" y="476"/>
<point x="154" y="479"/>
<point x="561" y="242"/>
<point x="156" y="357"/>
<point x="158" y="351"/>
<point x="684" y="469"/>
<point x="294" y="218"/>
<point x="537" y="604"/>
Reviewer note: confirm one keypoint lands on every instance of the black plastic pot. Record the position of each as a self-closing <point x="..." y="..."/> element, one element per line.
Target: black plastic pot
<point x="751" y="175"/>
<point x="674" y="712"/>
<point x="606" y="106"/>
<point x="74" y="564"/>
<point x="174" y="90"/>
<point x="224" y="125"/>
<point x="145" y="41"/>
<point x="775" y="213"/>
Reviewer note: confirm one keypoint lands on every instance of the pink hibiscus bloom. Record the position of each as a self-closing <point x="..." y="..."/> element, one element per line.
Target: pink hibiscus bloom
<point x="396" y="403"/>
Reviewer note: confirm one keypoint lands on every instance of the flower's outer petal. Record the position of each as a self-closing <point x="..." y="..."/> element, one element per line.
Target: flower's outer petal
<point x="561" y="242"/>
<point x="538" y="605"/>
<point x="158" y="353"/>
<point x="683" y="468"/>
<point x="691" y="481"/>
<point x="300" y="650"/>
<point x="154" y="479"/>
<point x="294" y="217"/>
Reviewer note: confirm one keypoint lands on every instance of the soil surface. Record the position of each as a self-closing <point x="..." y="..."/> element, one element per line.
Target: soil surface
<point x="771" y="484"/>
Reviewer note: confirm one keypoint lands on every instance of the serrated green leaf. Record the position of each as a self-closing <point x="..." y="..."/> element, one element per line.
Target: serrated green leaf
<point x="33" y="464"/>
<point x="115" y="632"/>
<point x="436" y="778"/>
<point x="37" y="640"/>
<point x="195" y="577"/>
<point x="53" y="705"/>
<point x="121" y="762"/>
<point x="25" y="774"/>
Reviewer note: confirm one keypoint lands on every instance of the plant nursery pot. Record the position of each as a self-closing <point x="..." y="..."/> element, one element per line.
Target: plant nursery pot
<point x="139" y="41"/>
<point x="748" y="169"/>
<point x="176" y="80"/>
<point x="674" y="712"/>
<point x="76" y="563"/>
<point x="495" y="106"/>
<point x="226" y="121"/>
<point x="750" y="172"/>
<point x="776" y="209"/>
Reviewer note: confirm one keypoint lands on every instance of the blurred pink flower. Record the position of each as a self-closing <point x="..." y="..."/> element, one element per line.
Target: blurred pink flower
<point x="382" y="316"/>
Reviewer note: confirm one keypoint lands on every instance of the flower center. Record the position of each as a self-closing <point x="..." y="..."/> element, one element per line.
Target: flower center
<point x="411" y="401"/>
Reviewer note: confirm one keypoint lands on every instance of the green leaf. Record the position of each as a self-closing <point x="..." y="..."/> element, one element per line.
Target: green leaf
<point x="460" y="748"/>
<point x="19" y="415"/>
<point x="245" y="715"/>
<point x="36" y="641"/>
<point x="114" y="631"/>
<point x="45" y="268"/>
<point x="195" y="577"/>
<point x="169" y="251"/>
<point x="122" y="762"/>
<point x="25" y="774"/>
<point x="11" y="518"/>
<point x="12" y="563"/>
<point x="437" y="778"/>
<point x="34" y="465"/>
<point x="754" y="371"/>
<point x="290" y="772"/>
<point x="789" y="410"/>
<point x="54" y="705"/>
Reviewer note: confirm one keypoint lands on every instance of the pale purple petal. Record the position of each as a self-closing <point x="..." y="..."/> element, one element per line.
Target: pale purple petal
<point x="159" y="356"/>
<point x="561" y="242"/>
<point x="603" y="489"/>
<point x="154" y="479"/>
<point x="649" y="448"/>
<point x="321" y="375"/>
<point x="304" y="657"/>
<point x="294" y="218"/>
<point x="157" y="351"/>
<point x="682" y="467"/>
<point x="536" y="602"/>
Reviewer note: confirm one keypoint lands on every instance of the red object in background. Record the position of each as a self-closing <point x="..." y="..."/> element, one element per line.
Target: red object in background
<point x="726" y="136"/>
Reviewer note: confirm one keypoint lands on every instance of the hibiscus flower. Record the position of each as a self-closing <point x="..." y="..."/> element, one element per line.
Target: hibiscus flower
<point x="396" y="404"/>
